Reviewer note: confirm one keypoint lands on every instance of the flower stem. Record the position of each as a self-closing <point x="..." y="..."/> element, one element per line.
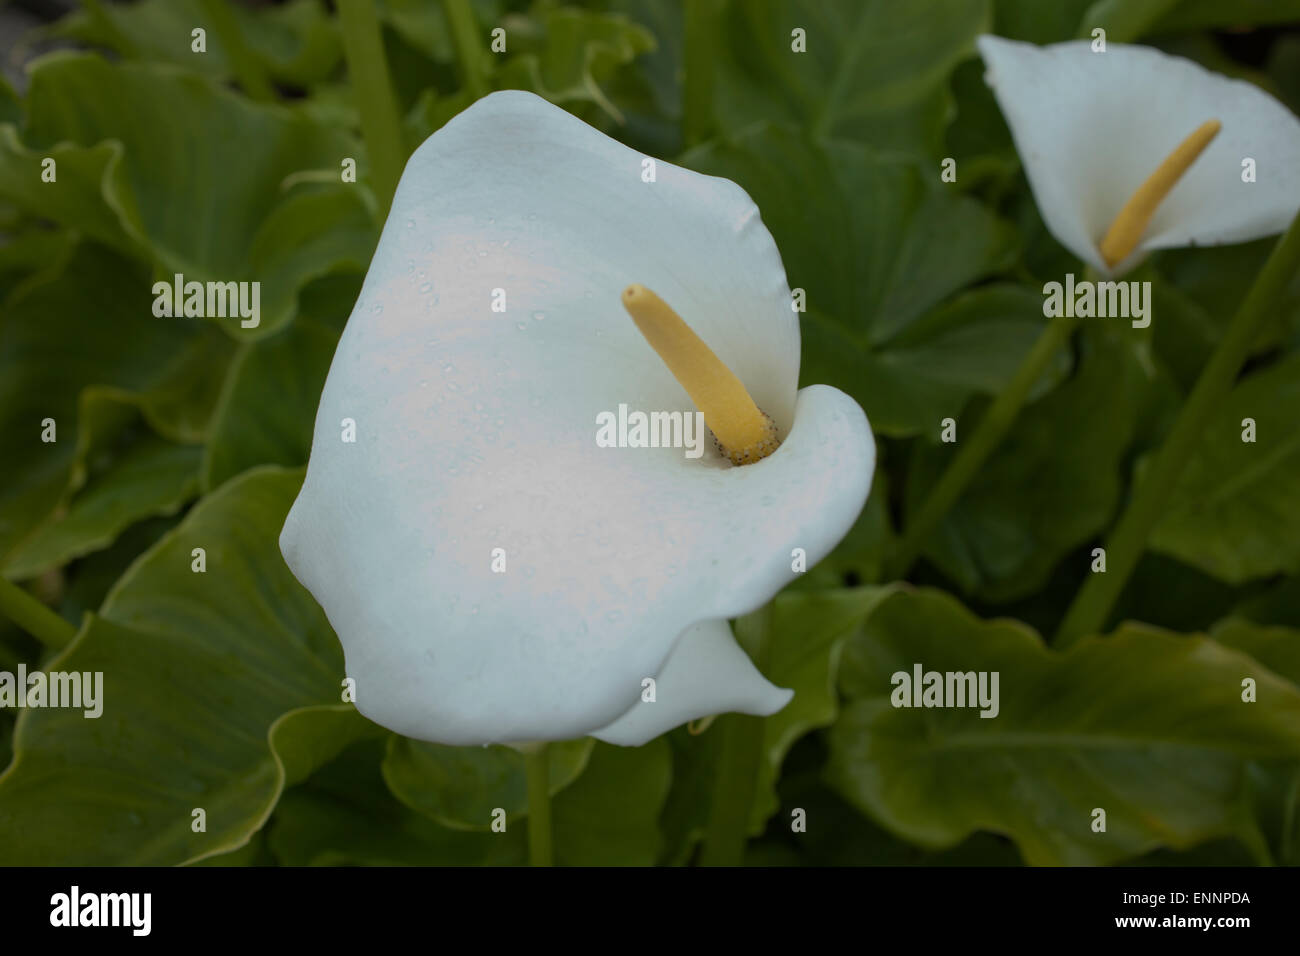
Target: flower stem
<point x="738" y="768"/>
<point x="248" y="71"/>
<point x="697" y="88"/>
<point x="537" y="768"/>
<point x="992" y="428"/>
<point x="34" y="617"/>
<point x="1092" y="605"/>
<point x="469" y="46"/>
<point x="381" y="126"/>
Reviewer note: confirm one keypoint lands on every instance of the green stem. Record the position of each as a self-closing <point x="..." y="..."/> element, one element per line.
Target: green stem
<point x="34" y="617"/>
<point x="469" y="45"/>
<point x="248" y="71"/>
<point x="381" y="126"/>
<point x="537" y="769"/>
<point x="701" y="41"/>
<point x="736" y="776"/>
<point x="1092" y="605"/>
<point x="992" y="428"/>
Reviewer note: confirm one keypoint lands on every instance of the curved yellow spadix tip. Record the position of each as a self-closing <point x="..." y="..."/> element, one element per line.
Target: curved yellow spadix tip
<point x="744" y="433"/>
<point x="1127" y="229"/>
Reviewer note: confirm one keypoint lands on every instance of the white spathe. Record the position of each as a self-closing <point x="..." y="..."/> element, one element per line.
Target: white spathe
<point x="1091" y="127"/>
<point x="475" y="431"/>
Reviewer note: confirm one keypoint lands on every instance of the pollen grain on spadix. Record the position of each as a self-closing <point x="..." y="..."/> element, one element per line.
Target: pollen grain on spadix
<point x="745" y="434"/>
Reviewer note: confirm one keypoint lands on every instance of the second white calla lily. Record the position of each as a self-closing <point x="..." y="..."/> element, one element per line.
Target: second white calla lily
<point x="493" y="574"/>
<point x="1091" y="127"/>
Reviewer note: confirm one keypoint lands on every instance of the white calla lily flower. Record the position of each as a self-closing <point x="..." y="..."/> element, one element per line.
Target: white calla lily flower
<point x="1093" y="129"/>
<point x="493" y="574"/>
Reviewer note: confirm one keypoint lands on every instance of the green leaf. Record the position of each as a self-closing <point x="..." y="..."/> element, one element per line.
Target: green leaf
<point x="1036" y="21"/>
<point x="311" y="234"/>
<point x="460" y="787"/>
<point x="609" y="816"/>
<point x="1052" y="484"/>
<point x="11" y="111"/>
<point x="1124" y="20"/>
<point x="1212" y="14"/>
<point x="345" y="816"/>
<point x="79" y="197"/>
<point x="219" y="688"/>
<point x="573" y="55"/>
<point x="1210" y="283"/>
<point x="424" y="26"/>
<point x="1235" y="511"/>
<point x="808" y="630"/>
<point x="649" y="91"/>
<point x="296" y="43"/>
<point x="889" y="246"/>
<point x="268" y="407"/>
<point x="154" y="477"/>
<point x="1277" y="605"/>
<point x="1145" y="724"/>
<point x="88" y="580"/>
<point x="82" y="348"/>
<point x="240" y="152"/>
<point x="1277" y="790"/>
<point x="875" y="71"/>
<point x="838" y="835"/>
<point x="30" y="253"/>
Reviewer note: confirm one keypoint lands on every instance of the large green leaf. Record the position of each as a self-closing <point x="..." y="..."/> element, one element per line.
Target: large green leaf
<point x="877" y="247"/>
<point x="836" y="834"/>
<point x="1235" y="512"/>
<point x="609" y="816"/>
<point x="153" y="477"/>
<point x="1277" y="790"/>
<point x="296" y="43"/>
<point x="85" y="180"/>
<point x="344" y="815"/>
<point x="1210" y="14"/>
<point x="573" y="55"/>
<point x="29" y="253"/>
<point x="268" y="408"/>
<point x="1124" y="20"/>
<point x="219" y="688"/>
<point x="1036" y="21"/>
<point x="424" y="26"/>
<point x="312" y="233"/>
<point x="875" y="71"/>
<point x="808" y="628"/>
<point x="1052" y="483"/>
<point x="1209" y="284"/>
<point x="82" y="348"/>
<point x="197" y="203"/>
<point x="1149" y="726"/>
<point x="461" y="787"/>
